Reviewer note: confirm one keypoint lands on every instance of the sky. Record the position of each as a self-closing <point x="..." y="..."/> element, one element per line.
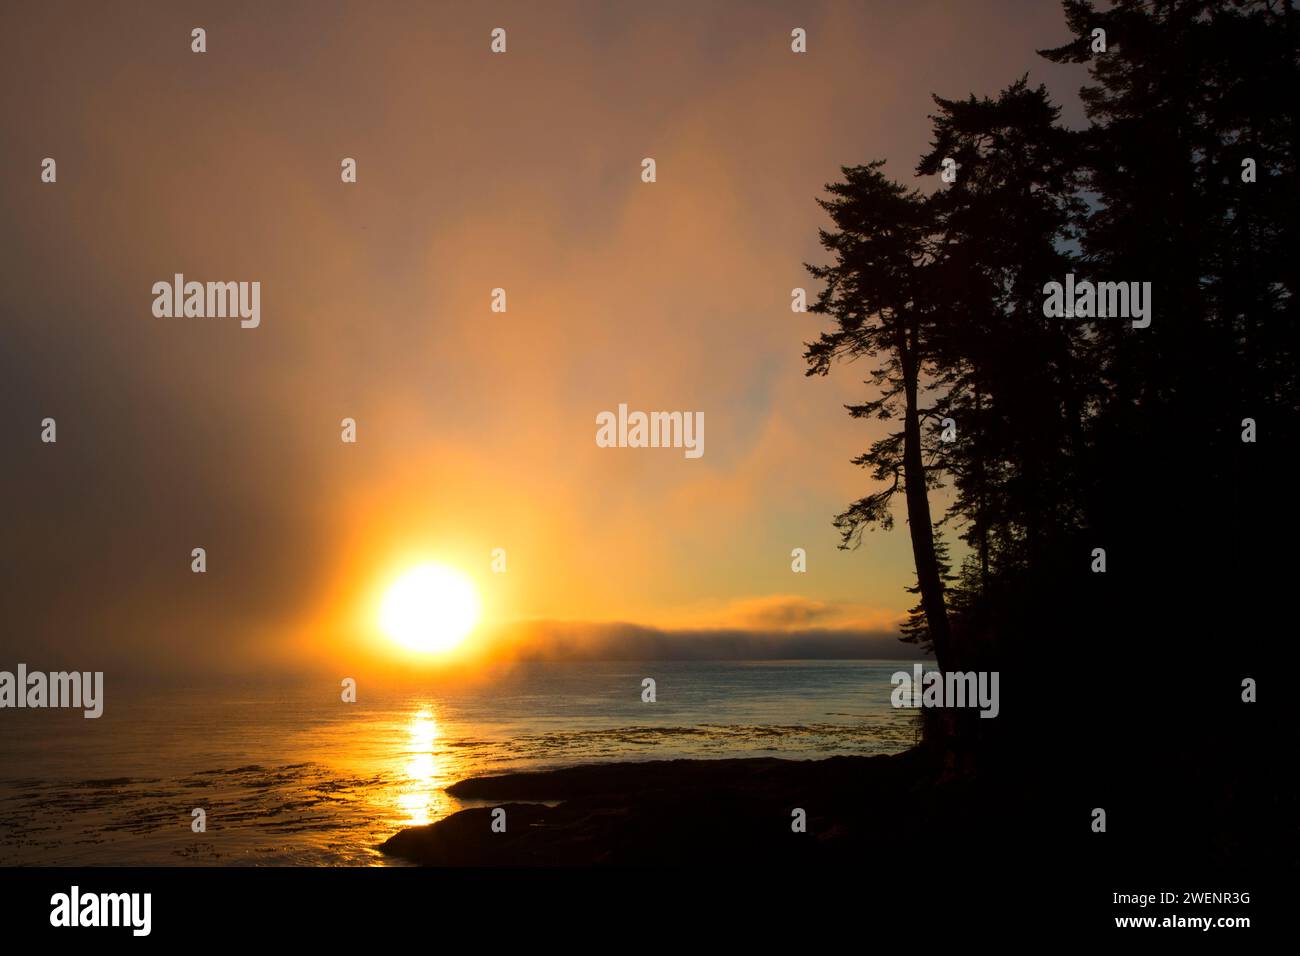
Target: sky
<point x="475" y="429"/>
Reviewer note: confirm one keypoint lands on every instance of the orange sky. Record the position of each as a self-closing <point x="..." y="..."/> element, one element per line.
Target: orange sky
<point x="476" y="430"/>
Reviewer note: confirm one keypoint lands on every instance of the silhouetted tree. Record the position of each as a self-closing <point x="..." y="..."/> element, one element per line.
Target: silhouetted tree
<point x="1082" y="433"/>
<point x="878" y="292"/>
<point x="1185" y="92"/>
<point x="1011" y="378"/>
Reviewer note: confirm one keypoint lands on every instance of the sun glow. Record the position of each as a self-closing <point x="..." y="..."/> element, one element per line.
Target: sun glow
<point x="430" y="608"/>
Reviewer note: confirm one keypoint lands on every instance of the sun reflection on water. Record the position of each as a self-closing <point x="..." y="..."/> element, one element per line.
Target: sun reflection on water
<point x="424" y="774"/>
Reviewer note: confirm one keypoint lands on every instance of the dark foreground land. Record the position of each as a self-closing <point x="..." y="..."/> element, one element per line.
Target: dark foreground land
<point x="675" y="811"/>
<point x="727" y="812"/>
<point x="894" y="811"/>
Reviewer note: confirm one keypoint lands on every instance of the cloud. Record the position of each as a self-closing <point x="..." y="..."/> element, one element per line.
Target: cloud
<point x="618" y="641"/>
<point x="790" y="612"/>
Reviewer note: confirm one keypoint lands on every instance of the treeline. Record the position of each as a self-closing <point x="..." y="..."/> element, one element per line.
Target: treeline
<point x="1122" y="494"/>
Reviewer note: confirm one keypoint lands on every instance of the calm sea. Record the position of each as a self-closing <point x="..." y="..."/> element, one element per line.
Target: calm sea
<point x="294" y="776"/>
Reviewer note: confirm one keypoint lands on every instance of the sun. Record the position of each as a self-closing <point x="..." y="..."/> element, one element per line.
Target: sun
<point x="430" y="608"/>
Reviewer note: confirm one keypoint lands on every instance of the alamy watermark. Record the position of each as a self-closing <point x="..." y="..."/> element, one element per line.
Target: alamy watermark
<point x="75" y="908"/>
<point x="210" y="300"/>
<point x="1104" y="300"/>
<point x="923" y="688"/>
<point x="36" y="689"/>
<point x="651" y="430"/>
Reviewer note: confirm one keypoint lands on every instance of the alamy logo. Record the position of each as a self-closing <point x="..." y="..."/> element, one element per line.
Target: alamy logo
<point x="1105" y="300"/>
<point x="74" y="689"/>
<point x="653" y="430"/>
<point x="210" y="300"/>
<point x="946" y="689"/>
<point x="103" y="909"/>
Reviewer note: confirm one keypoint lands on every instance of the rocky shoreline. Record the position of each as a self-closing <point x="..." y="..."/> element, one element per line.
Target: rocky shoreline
<point x="696" y="811"/>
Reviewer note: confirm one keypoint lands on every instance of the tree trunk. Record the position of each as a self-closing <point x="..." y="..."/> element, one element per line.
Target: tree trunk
<point x="918" y="520"/>
<point x="981" y="509"/>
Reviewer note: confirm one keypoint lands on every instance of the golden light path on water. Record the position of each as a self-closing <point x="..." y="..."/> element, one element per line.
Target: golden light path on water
<point x="423" y="781"/>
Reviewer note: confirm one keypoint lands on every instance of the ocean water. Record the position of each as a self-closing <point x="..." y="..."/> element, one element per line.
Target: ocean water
<point x="295" y="776"/>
